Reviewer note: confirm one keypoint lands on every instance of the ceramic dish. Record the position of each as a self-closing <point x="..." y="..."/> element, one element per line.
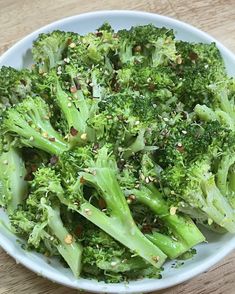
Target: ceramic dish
<point x="207" y="254"/>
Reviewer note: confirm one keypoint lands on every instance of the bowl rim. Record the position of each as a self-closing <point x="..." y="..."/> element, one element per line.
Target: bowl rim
<point x="120" y="287"/>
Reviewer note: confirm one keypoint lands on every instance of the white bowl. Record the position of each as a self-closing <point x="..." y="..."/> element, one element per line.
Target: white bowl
<point x="207" y="254"/>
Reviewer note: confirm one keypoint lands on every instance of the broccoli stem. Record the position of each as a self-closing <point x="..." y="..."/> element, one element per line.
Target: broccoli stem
<point x="224" y="103"/>
<point x="120" y="265"/>
<point x="205" y="113"/>
<point x="126" y="232"/>
<point x="77" y="114"/>
<point x="120" y="226"/>
<point x="216" y="205"/>
<point x="172" y="248"/>
<point x="71" y="252"/>
<point x="222" y="173"/>
<point x="183" y="227"/>
<point x="68" y="108"/>
<point x="136" y="146"/>
<point x="13" y="187"/>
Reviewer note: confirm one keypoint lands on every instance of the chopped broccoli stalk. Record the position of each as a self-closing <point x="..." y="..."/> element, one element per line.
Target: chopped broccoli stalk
<point x="29" y="120"/>
<point x="15" y="86"/>
<point x="172" y="248"/>
<point x="182" y="226"/>
<point x="77" y="110"/>
<point x="70" y="250"/>
<point x="13" y="187"/>
<point x="226" y="162"/>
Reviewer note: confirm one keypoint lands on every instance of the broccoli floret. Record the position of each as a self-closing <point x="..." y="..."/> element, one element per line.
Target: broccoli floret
<point x="195" y="184"/>
<point x="200" y="66"/>
<point x="15" y="86"/>
<point x="112" y="261"/>
<point x="29" y="121"/>
<point x="101" y="175"/>
<point x="184" y="234"/>
<point x="40" y="223"/>
<point x="147" y="45"/>
<point x="49" y="49"/>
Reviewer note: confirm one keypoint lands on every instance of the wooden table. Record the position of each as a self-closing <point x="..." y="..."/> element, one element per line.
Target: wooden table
<point x="20" y="17"/>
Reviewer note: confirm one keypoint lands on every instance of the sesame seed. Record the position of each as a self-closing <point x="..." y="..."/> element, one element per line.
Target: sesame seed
<point x="184" y="132"/>
<point x="173" y="210"/>
<point x="155" y="258"/>
<point x="68" y="239"/>
<point x="142" y="177"/>
<point x="72" y="45"/>
<point x="69" y="104"/>
<point x="88" y="211"/>
<point x="113" y="263"/>
<point x="31" y="138"/>
<point x="45" y="135"/>
<point x="147" y="180"/>
<point x="84" y="136"/>
<point x="165" y="119"/>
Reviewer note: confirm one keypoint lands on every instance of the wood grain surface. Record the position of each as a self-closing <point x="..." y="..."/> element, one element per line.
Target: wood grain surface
<point x="20" y="17"/>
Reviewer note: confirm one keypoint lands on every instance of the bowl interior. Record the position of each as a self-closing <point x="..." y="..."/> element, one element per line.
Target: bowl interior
<point x="207" y="254"/>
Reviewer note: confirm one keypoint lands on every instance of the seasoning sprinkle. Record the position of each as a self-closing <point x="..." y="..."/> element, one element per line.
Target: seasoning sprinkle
<point x="173" y="210"/>
<point x="84" y="136"/>
<point x="68" y="239"/>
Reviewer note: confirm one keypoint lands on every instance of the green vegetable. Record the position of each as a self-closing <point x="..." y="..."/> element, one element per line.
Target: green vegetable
<point x="115" y="146"/>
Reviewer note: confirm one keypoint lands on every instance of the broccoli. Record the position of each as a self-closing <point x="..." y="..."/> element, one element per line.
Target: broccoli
<point x="182" y="233"/>
<point x="146" y="44"/>
<point x="29" y="121"/>
<point x="15" y="86"/>
<point x="196" y="186"/>
<point x="118" y="222"/>
<point x="39" y="221"/>
<point x="13" y="187"/>
<point x="49" y="49"/>
<point x="199" y="66"/>
<point x="114" y="146"/>
<point x="111" y="260"/>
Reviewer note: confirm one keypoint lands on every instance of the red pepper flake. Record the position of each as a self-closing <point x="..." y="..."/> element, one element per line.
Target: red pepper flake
<point x="33" y="168"/>
<point x="82" y="180"/>
<point x="102" y="203"/>
<point x="79" y="230"/>
<point x="73" y="89"/>
<point x="69" y="41"/>
<point x="151" y="87"/>
<point x="29" y="176"/>
<point x="180" y="148"/>
<point x="99" y="34"/>
<point x="53" y="160"/>
<point x="137" y="48"/>
<point x="146" y="229"/>
<point x="193" y="56"/>
<point x="52" y="139"/>
<point x="73" y="132"/>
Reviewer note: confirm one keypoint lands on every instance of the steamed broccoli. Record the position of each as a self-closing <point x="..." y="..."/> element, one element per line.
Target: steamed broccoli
<point x="114" y="146"/>
<point x="101" y="175"/>
<point x="49" y="49"/>
<point x="15" y="86"/>
<point x="29" y="121"/>
<point x="39" y="221"/>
